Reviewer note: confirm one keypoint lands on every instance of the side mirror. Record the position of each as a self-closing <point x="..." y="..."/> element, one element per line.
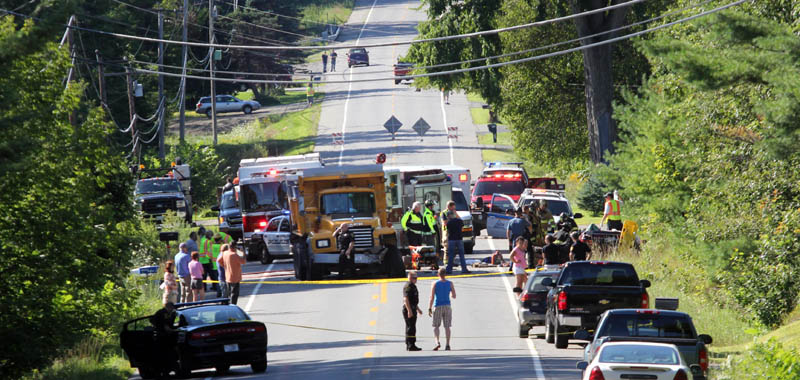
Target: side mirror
<point x="479" y="202"/>
<point x="582" y="335"/>
<point x="697" y="371"/>
<point x="577" y="215"/>
<point x="214" y="208"/>
<point x="548" y="282"/>
<point x="705" y="338"/>
<point x="645" y="283"/>
<point x="582" y="365"/>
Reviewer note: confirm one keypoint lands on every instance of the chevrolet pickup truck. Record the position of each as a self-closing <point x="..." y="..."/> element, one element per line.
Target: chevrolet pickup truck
<point x="649" y="325"/>
<point x="586" y="289"/>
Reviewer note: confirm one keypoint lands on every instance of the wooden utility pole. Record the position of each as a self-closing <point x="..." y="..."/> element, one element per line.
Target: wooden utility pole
<point x="73" y="117"/>
<point x="211" y="15"/>
<point x="161" y="99"/>
<point x="182" y="104"/>
<point x="131" y="104"/>
<point x="101" y="76"/>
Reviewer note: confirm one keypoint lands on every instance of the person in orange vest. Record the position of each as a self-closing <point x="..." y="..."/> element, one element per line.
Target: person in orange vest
<point x="612" y="213"/>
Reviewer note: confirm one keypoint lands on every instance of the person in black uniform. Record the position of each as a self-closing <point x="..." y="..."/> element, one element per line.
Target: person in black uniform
<point x="579" y="250"/>
<point x="410" y="311"/>
<point x="346" y="244"/>
<point x="551" y="251"/>
<point x="164" y="334"/>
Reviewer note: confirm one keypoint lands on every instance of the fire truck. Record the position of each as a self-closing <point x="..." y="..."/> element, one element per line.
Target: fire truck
<point x="508" y="178"/>
<point x="262" y="194"/>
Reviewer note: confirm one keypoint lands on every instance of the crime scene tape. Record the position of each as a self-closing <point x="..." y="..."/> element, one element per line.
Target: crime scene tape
<point x="371" y="280"/>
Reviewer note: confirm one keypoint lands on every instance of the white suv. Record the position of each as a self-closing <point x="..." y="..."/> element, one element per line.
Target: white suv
<point x="226" y="103"/>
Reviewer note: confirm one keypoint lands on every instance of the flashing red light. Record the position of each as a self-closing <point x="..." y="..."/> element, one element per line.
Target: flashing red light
<point x="596" y="374"/>
<point x="562" y="301"/>
<point x="273" y="172"/>
<point x="462" y="177"/>
<point x="262" y="223"/>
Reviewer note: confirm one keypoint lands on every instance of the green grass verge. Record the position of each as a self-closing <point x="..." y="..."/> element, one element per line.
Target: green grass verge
<point x="588" y="218"/>
<point x="473" y="97"/>
<point x="480" y="116"/>
<point x="503" y="138"/>
<point x="318" y="12"/>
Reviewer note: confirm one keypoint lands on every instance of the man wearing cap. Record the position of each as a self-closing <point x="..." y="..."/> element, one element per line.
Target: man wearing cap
<point x="612" y="213"/>
<point x="414" y="224"/>
<point x="433" y="229"/>
<point x="182" y="259"/>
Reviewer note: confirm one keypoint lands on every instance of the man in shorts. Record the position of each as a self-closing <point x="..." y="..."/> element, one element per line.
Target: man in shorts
<point x="441" y="291"/>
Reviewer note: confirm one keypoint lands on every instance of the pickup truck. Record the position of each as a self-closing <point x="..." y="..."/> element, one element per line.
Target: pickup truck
<point x="586" y="289"/>
<point x="649" y="325"/>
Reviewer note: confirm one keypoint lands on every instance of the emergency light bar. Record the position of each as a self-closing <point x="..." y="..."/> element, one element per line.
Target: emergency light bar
<point x="498" y="163"/>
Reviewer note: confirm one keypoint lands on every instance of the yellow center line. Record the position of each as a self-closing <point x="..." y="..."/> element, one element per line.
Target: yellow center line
<point x="383" y="292"/>
<point x="373" y="322"/>
<point x="368" y="354"/>
<point x="365" y="371"/>
<point x="374" y="309"/>
<point x="374" y="296"/>
<point x="370" y="337"/>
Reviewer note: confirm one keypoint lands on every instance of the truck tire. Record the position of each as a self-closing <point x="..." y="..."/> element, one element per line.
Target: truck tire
<point x="394" y="263"/>
<point x="523" y="331"/>
<point x="562" y="338"/>
<point x="300" y="262"/>
<point x="259" y="367"/>
<point x="148" y="373"/>
<point x="548" y="331"/>
<point x="315" y="272"/>
<point x="265" y="257"/>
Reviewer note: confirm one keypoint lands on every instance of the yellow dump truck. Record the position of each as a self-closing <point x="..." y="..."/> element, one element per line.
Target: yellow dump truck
<point x="325" y="198"/>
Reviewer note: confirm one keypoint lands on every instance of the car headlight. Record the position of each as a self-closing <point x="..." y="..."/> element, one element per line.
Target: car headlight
<point x="323" y="243"/>
<point x="221" y="220"/>
<point x="180" y="204"/>
<point x="468" y="223"/>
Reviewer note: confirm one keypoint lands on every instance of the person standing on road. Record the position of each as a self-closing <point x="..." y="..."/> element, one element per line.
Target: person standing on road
<point x="223" y="282"/>
<point x="216" y="249"/>
<point x="579" y="250"/>
<point x="333" y="60"/>
<point x="182" y="260"/>
<point x="170" y="285"/>
<point x="346" y="244"/>
<point x="455" y="242"/>
<point x="519" y="266"/>
<point x="207" y="259"/>
<point x="410" y="311"/>
<point x="430" y="220"/>
<point x="233" y="261"/>
<point x="196" y="271"/>
<point x="441" y="291"/>
<point x="446" y="95"/>
<point x="310" y="93"/>
<point x="414" y="224"/>
<point x="324" y="61"/>
<point x="517" y="227"/>
<point x="451" y="206"/>
<point x="163" y="322"/>
<point x="612" y="213"/>
<point x="191" y="244"/>
<point x="551" y="252"/>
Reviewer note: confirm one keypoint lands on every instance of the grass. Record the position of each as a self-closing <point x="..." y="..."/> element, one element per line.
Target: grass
<point x="480" y="116"/>
<point x="503" y="138"/>
<point x="588" y="218"/>
<point x="318" y="12"/>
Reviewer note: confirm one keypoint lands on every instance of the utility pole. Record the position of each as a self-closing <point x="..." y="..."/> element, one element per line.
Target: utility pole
<point x="131" y="104"/>
<point x="161" y="100"/>
<point x="211" y="14"/>
<point x="101" y="75"/>
<point x="73" y="117"/>
<point x="182" y="105"/>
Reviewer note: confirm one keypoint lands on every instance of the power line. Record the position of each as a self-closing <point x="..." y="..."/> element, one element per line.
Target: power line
<point x="484" y="67"/>
<point x="382" y="44"/>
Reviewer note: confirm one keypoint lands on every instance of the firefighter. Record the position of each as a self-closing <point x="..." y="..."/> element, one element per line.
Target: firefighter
<point x="433" y="230"/>
<point x="545" y="219"/>
<point x="414" y="224"/>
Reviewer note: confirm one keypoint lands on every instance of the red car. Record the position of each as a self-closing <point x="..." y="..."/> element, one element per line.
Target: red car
<point x="402" y="69"/>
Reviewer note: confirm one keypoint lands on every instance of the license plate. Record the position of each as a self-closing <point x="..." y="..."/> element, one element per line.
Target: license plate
<point x="231" y="347"/>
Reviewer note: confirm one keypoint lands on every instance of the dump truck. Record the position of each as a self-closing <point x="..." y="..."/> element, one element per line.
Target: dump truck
<point x="325" y="198"/>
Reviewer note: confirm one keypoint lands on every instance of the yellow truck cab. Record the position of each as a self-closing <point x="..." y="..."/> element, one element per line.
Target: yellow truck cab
<point x="325" y="198"/>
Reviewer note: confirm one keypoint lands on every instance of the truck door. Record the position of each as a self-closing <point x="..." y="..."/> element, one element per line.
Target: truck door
<point x="496" y="218"/>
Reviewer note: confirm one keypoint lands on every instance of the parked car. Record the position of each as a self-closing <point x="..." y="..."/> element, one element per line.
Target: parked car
<point x="357" y="56"/>
<point x="402" y="69"/>
<point x="636" y="360"/>
<point x="532" y="304"/>
<point x="649" y="325"/>
<point x="273" y="242"/>
<point x="586" y="289"/>
<point x="210" y="334"/>
<point x="226" y="103"/>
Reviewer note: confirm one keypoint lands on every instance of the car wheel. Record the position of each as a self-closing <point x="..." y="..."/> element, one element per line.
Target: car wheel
<point x="247" y="109"/>
<point x="265" y="257"/>
<point x="222" y="369"/>
<point x="208" y="113"/>
<point x="562" y="338"/>
<point x="259" y="367"/>
<point x="523" y="331"/>
<point x="548" y="331"/>
<point x="148" y="373"/>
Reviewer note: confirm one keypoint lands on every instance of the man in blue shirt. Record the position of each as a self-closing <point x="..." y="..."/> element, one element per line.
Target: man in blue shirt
<point x="182" y="260"/>
<point x="516" y="227"/>
<point x="191" y="244"/>
<point x="439" y="307"/>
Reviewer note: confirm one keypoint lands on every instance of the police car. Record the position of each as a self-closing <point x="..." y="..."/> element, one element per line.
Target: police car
<point x="497" y="218"/>
<point x="209" y="334"/>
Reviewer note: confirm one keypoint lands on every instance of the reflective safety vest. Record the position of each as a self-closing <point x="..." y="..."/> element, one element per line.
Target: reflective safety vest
<point x="215" y="249"/>
<point x="412" y="221"/>
<point x="226" y="239"/>
<point x="615" y="212"/>
<point x="204" y="242"/>
<point x="428" y="215"/>
<point x="310" y="91"/>
<point x="443" y="219"/>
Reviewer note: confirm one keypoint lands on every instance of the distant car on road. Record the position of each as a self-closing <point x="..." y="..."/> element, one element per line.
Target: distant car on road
<point x="636" y="360"/>
<point x="210" y="334"/>
<point x="226" y="103"/>
<point x="402" y="69"/>
<point x="357" y="56"/>
<point x="532" y="304"/>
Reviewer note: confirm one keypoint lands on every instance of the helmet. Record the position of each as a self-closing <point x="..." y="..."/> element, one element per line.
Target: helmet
<point x="609" y="195"/>
<point x="430" y="202"/>
<point x="563" y="215"/>
<point x="575" y="235"/>
<point x="542" y="203"/>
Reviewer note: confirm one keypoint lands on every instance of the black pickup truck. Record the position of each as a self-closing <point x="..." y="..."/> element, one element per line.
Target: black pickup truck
<point x="649" y="325"/>
<point x="584" y="290"/>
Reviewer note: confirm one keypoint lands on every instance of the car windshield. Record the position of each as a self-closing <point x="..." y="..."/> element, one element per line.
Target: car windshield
<point x="228" y="201"/>
<point x="461" y="202"/>
<point x="262" y="196"/>
<point x="639" y="354"/>
<point x="206" y="315"/>
<point x="597" y="274"/>
<point x="499" y="187"/>
<point x="555" y="207"/>
<point x="158" y="186"/>
<point x="647" y="325"/>
<point x="535" y="285"/>
<point x="358" y="51"/>
<point x="348" y="204"/>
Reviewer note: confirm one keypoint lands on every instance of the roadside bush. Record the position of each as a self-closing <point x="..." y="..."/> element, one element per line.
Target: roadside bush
<point x="591" y="195"/>
<point x="764" y="361"/>
<point x="207" y="171"/>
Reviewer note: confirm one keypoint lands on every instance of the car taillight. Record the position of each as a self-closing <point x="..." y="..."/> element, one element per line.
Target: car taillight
<point x="703" y="356"/>
<point x="596" y="374"/>
<point x="525" y="297"/>
<point x="256" y="329"/>
<point x="562" y="301"/>
<point x="462" y="177"/>
<point x="645" y="300"/>
<point x="681" y="375"/>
